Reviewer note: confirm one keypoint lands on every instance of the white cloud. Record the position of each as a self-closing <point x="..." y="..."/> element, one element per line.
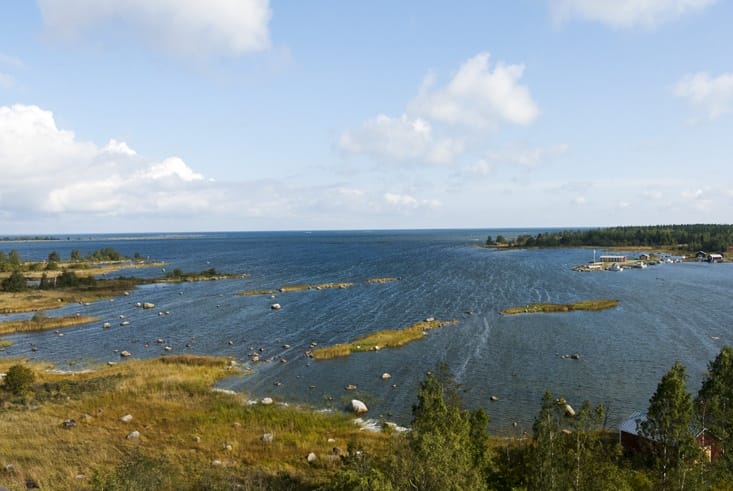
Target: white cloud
<point x="712" y="97"/>
<point x="528" y="157"/>
<point x="652" y="194"/>
<point x="183" y="27"/>
<point x="477" y="97"/>
<point x="172" y="167"/>
<point x="479" y="168"/>
<point x="48" y="170"/>
<point x="580" y="200"/>
<point x="400" y="139"/>
<point x="626" y="13"/>
<point x="407" y="201"/>
<point x="118" y="147"/>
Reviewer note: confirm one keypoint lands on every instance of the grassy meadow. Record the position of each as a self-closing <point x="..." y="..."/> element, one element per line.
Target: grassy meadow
<point x="66" y="431"/>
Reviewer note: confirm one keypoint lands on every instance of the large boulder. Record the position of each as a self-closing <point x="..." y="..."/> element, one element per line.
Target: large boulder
<point x="358" y="406"/>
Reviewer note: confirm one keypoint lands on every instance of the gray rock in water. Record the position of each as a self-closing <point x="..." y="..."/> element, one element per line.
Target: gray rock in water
<point x="275" y="306"/>
<point x="386" y="376"/>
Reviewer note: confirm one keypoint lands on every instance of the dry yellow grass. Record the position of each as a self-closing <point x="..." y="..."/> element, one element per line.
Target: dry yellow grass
<point x="390" y="338"/>
<point x="184" y="426"/>
<point x="381" y="281"/>
<point x="87" y="268"/>
<point x="561" y="307"/>
<point x="43" y="324"/>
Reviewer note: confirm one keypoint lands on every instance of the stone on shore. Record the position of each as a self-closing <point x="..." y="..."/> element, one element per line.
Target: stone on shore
<point x="358" y="406"/>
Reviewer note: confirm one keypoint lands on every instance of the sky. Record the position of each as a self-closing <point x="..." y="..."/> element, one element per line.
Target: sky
<point x="223" y="115"/>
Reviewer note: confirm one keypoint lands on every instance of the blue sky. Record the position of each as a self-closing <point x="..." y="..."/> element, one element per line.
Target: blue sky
<point x="197" y="115"/>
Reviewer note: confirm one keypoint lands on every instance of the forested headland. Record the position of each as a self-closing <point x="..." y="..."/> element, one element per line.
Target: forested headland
<point x="682" y="238"/>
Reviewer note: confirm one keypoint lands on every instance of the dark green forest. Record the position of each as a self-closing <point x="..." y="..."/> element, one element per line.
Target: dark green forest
<point x="683" y="238"/>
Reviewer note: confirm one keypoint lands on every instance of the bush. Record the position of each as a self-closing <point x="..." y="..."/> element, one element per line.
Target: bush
<point x="19" y="379"/>
<point x="15" y="282"/>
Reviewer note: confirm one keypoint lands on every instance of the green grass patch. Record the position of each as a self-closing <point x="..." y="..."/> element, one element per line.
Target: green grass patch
<point x="389" y="338"/>
<point x="533" y="308"/>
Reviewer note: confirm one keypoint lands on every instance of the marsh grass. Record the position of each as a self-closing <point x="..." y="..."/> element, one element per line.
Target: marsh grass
<point x="184" y="428"/>
<point x="531" y="308"/>
<point x="42" y="323"/>
<point x="389" y="338"/>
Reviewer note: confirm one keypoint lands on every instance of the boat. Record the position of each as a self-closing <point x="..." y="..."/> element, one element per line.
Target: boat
<point x="616" y="267"/>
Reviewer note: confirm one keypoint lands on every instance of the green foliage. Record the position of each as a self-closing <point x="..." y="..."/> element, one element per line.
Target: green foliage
<point x="714" y="405"/>
<point x="75" y="255"/>
<point x="54" y="257"/>
<point x="568" y="452"/>
<point x="545" y="463"/>
<point x="52" y="266"/>
<point x="105" y="254"/>
<point x="45" y="283"/>
<point x="69" y="279"/>
<point x="490" y="241"/>
<point x="16" y="282"/>
<point x="668" y="428"/>
<point x="447" y="444"/>
<point x="689" y="238"/>
<point x="18" y="379"/>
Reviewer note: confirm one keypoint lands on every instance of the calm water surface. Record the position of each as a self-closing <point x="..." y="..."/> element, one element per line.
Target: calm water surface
<point x="666" y="313"/>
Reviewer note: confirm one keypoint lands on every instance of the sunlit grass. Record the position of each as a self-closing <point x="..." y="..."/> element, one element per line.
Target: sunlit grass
<point x="389" y="338"/>
<point x="183" y="424"/>
<point x="43" y="323"/>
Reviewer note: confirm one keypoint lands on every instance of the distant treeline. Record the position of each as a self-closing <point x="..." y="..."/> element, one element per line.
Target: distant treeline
<point x="13" y="262"/>
<point x="709" y="238"/>
<point x="24" y="238"/>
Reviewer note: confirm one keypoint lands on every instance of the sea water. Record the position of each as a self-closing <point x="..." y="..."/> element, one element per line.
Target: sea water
<point x="666" y="313"/>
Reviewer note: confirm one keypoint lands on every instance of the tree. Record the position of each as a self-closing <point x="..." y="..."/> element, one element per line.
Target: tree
<point x="15" y="282"/>
<point x="75" y="255"/>
<point x="14" y="258"/>
<point x="446" y="449"/>
<point x="490" y="241"/>
<point x="545" y="462"/>
<point x="54" y="257"/>
<point x="500" y="239"/>
<point x="667" y="427"/>
<point x="19" y="379"/>
<point x="714" y="402"/>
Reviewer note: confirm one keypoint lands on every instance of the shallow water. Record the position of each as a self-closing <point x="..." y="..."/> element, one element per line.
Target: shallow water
<point x="666" y="313"/>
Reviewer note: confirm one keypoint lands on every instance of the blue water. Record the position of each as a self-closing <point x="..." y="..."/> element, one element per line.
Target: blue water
<point x="667" y="312"/>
